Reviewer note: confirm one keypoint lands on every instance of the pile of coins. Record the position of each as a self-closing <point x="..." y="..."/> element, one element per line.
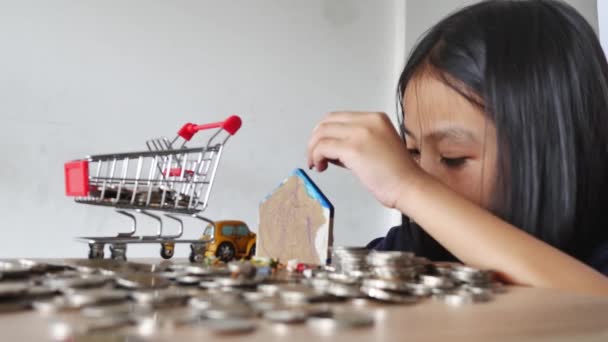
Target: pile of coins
<point x="110" y="296"/>
<point x="402" y="277"/>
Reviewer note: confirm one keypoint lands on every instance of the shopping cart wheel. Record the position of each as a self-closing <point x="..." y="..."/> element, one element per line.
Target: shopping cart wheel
<point x="166" y="250"/>
<point x="197" y="252"/>
<point x="118" y="251"/>
<point x="96" y="250"/>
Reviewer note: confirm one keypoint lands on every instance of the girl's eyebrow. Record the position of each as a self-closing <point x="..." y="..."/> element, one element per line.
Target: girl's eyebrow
<point x="450" y="132"/>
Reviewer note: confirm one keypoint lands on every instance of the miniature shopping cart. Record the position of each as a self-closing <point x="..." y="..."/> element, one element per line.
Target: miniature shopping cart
<point x="168" y="181"/>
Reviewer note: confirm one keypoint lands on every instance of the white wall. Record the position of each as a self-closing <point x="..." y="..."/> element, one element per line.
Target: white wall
<point x="86" y="77"/>
<point x="602" y="13"/>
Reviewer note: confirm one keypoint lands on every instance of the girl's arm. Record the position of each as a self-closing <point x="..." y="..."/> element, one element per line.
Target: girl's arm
<point x="368" y="145"/>
<point x="481" y="239"/>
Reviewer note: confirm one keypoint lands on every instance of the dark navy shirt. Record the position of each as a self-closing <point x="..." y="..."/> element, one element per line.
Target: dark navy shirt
<point x="408" y="237"/>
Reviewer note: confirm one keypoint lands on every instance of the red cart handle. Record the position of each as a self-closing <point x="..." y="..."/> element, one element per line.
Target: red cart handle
<point x="230" y="125"/>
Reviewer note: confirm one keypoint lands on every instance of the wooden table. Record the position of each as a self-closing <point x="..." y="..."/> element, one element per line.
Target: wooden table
<point x="521" y="314"/>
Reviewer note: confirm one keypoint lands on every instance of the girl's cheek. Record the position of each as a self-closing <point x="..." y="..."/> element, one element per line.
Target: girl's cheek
<point x="467" y="182"/>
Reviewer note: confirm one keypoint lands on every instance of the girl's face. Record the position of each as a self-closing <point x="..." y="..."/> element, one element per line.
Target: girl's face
<point x="450" y="138"/>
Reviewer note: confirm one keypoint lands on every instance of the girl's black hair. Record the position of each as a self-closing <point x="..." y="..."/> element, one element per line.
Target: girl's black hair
<point x="538" y="71"/>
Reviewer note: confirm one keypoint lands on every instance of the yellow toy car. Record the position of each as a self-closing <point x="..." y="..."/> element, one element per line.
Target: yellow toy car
<point x="232" y="239"/>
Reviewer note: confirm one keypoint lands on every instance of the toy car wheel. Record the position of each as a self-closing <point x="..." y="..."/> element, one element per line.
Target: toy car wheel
<point x="225" y="252"/>
<point x="166" y="251"/>
<point x="251" y="252"/>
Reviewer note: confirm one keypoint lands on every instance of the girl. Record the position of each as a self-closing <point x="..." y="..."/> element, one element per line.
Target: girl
<point x="504" y="158"/>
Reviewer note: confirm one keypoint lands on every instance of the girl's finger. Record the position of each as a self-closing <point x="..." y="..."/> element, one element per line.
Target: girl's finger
<point x="344" y="117"/>
<point x="335" y="130"/>
<point x="328" y="149"/>
<point x="353" y="117"/>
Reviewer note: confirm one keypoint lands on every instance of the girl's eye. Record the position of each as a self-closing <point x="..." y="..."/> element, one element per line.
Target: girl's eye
<point x="414" y="153"/>
<point x="453" y="162"/>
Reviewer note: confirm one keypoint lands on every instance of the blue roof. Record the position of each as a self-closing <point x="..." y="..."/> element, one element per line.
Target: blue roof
<point x="313" y="190"/>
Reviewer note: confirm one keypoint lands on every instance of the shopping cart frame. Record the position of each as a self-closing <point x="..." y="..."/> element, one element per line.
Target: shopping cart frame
<point x="173" y="180"/>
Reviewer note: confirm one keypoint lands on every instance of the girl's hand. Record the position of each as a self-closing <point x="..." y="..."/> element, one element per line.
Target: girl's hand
<point x="368" y="145"/>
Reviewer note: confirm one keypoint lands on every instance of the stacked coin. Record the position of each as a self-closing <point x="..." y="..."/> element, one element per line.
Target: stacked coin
<point x="394" y="265"/>
<point x="401" y="277"/>
<point x="350" y="261"/>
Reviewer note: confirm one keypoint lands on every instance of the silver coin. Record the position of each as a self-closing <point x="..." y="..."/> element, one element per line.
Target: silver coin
<point x="390" y="258"/>
<point x="50" y="306"/>
<point x="266" y="304"/>
<point x="68" y="273"/>
<point x="343" y="278"/>
<point x="230" y="326"/>
<point x="288" y="316"/>
<point x="389" y="296"/>
<point x="39" y="291"/>
<point x="12" y="289"/>
<point x="471" y="275"/>
<point x="200" y="303"/>
<point x="188" y="280"/>
<point x="397" y="286"/>
<point x="160" y="298"/>
<point x="242" y="269"/>
<point x="433" y="281"/>
<point x="319" y="284"/>
<point x="442" y="269"/>
<point x="236" y="282"/>
<point x="480" y="294"/>
<point x="142" y="280"/>
<point x="208" y="284"/>
<point x="319" y="311"/>
<point x="96" y="296"/>
<point x="349" y="259"/>
<point x="111" y="265"/>
<point x="86" y="281"/>
<point x="299" y="294"/>
<point x="387" y="255"/>
<point x="314" y="273"/>
<point x="394" y="273"/>
<point x="345" y="320"/>
<point x="205" y="270"/>
<point x="41" y="267"/>
<point x="124" y="309"/>
<point x="344" y="291"/>
<point x="457" y="298"/>
<point x="329" y="268"/>
<point x="268" y="289"/>
<point x="14" y="269"/>
<point x="172" y="275"/>
<point x="253" y="296"/>
<point x="220" y="312"/>
<point x="419" y="289"/>
<point x="227" y="298"/>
